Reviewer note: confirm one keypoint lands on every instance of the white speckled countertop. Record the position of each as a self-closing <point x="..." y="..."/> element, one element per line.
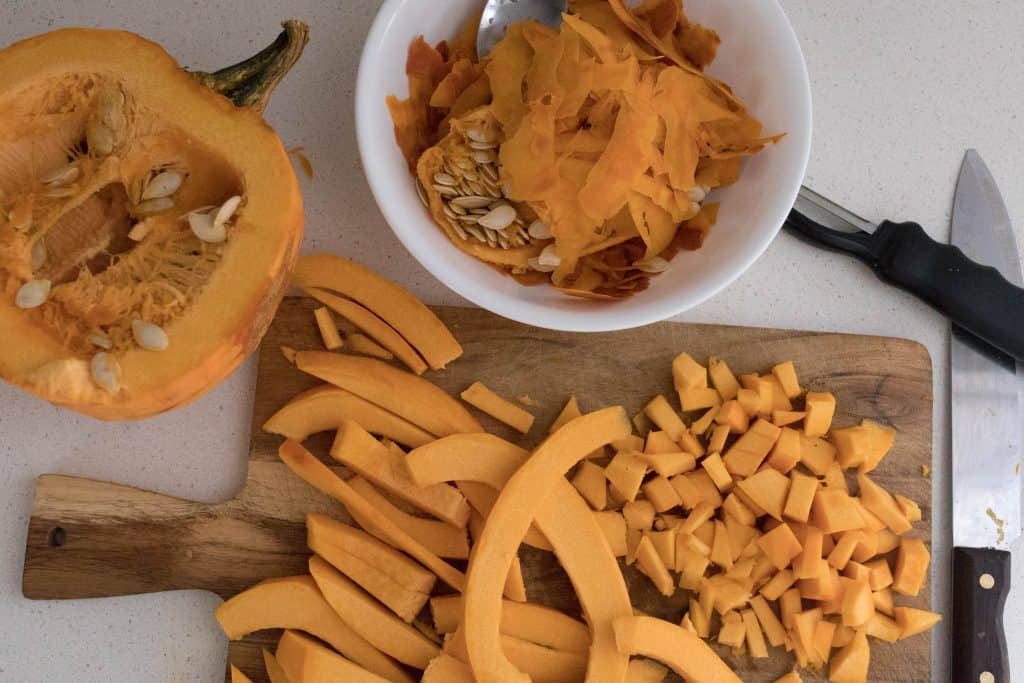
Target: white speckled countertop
<point x="900" y="90"/>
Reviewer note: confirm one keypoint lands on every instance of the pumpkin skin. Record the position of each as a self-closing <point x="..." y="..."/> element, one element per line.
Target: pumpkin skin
<point x="214" y="301"/>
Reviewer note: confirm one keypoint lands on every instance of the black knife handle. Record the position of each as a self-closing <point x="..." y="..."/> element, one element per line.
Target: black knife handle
<point x="979" y="643"/>
<point x="975" y="297"/>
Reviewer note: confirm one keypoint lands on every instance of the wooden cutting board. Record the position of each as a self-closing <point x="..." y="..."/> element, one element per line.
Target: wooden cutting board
<point x="94" y="539"/>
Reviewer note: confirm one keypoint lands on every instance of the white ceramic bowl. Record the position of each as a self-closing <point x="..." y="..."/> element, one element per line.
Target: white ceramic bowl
<point x="759" y="57"/>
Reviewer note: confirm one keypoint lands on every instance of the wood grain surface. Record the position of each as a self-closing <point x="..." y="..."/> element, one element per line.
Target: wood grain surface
<point x="95" y="539"/>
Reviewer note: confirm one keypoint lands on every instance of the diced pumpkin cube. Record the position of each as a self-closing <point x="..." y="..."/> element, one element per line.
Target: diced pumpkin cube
<point x="699" y="399"/>
<point x="834" y="477"/>
<point x="781" y="418"/>
<point x="764" y="390"/>
<point x="850" y="664"/>
<point x="669" y="464"/>
<point x="706" y="533"/>
<point x="821" y="406"/>
<point x="733" y="632"/>
<point x="625" y="473"/>
<point x="660" y="442"/>
<point x="843" y="635"/>
<point x="778" y="585"/>
<point x="843" y="550"/>
<point x="823" y="588"/>
<point x="745" y="456"/>
<point x="856" y="571"/>
<point x="701" y="619"/>
<point x="883" y="601"/>
<point x="763" y="568"/>
<point x="570" y="411"/>
<point x="722" y="378"/>
<point x="697" y="543"/>
<point x="755" y="637"/>
<point x="703" y="424"/>
<point x="790" y="605"/>
<point x="770" y="624"/>
<point x="732" y="415"/>
<point x="882" y="504"/>
<point x="808" y="564"/>
<point x="858" y="603"/>
<point x="804" y="625"/>
<point x="749" y="502"/>
<point x="721" y="553"/>
<point x="802" y="658"/>
<point x="816" y="454"/>
<point x="650" y="563"/>
<point x="668" y="521"/>
<point x="834" y="511"/>
<point x="639" y="514"/>
<point x="827" y="544"/>
<point x="691" y="565"/>
<point x="800" y="496"/>
<point x="879" y="575"/>
<point x="867" y="546"/>
<point x="834" y="605"/>
<point x="689" y="494"/>
<point x="706" y="489"/>
<point x="911" y="566"/>
<point x="853" y="444"/>
<point x="665" y="543"/>
<point x="882" y="440"/>
<point x="686" y="623"/>
<point x="740" y="570"/>
<point x="660" y="492"/>
<point x="871" y="521"/>
<point x="715" y="468"/>
<point x="735" y="508"/>
<point x="630" y="444"/>
<point x="699" y="516"/>
<point x="910" y="509"/>
<point x="768" y="488"/>
<point x="690" y="444"/>
<point x="328" y="329"/>
<point x="780" y="402"/>
<point x="882" y="627"/>
<point x="786" y="452"/>
<point x="613" y="526"/>
<point x="913" y="621"/>
<point x="887" y="541"/>
<point x="786" y="374"/>
<point x="661" y="413"/>
<point x="780" y="545"/>
<point x="750" y="401"/>
<point x="740" y="535"/>
<point x="719" y="435"/>
<point x="633" y="538"/>
<point x="688" y="373"/>
<point x="589" y="480"/>
<point x="823" y="632"/>
<point x="729" y="594"/>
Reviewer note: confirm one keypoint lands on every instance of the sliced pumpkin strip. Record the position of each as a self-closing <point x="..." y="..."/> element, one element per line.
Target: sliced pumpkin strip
<point x="522" y="499"/>
<point x="525" y="620"/>
<point x="515" y="585"/>
<point x="324" y="408"/>
<point x="398" y="391"/>
<point x="369" y="323"/>
<point x="645" y="671"/>
<point x="316" y="474"/>
<point x="237" y="676"/>
<point x="482" y="498"/>
<point x="442" y="539"/>
<point x="446" y="669"/>
<point x="385" y="467"/>
<point x="296" y="602"/>
<point x="274" y="671"/>
<point x="400" y="309"/>
<point x="483" y="399"/>
<point x="328" y="329"/>
<point x="540" y="664"/>
<point x="370" y="619"/>
<point x="360" y="343"/>
<point x="683" y="651"/>
<point x="305" y="661"/>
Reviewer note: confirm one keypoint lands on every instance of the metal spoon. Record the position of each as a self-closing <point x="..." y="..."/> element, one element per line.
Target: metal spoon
<point x="500" y="14"/>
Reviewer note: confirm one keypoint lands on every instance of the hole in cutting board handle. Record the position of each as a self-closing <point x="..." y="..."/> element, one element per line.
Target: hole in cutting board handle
<point x="57" y="537"/>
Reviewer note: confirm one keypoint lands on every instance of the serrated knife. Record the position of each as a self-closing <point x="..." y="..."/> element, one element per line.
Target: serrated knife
<point x="987" y="433"/>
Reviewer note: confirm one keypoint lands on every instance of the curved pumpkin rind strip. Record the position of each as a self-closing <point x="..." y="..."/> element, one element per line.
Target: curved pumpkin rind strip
<point x="372" y="325"/>
<point x="295" y="602"/>
<point x="325" y="407"/>
<point x="446" y="669"/>
<point x="540" y="664"/>
<point x="312" y="471"/>
<point x="402" y="393"/>
<point x="538" y="490"/>
<point x="683" y="651"/>
<point x="274" y="671"/>
<point x="393" y="303"/>
<point x="374" y="622"/>
<point x="527" y="621"/>
<point x="482" y="497"/>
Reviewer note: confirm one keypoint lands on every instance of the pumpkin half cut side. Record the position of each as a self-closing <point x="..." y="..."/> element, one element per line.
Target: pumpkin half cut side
<point x="149" y="219"/>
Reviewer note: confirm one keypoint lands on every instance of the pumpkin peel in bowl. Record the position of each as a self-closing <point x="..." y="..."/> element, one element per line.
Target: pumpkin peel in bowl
<point x="593" y="139"/>
<point x="149" y="219"/>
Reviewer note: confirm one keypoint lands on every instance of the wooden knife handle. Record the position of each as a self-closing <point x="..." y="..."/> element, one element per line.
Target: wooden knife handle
<point x="89" y="539"/>
<point x="981" y="582"/>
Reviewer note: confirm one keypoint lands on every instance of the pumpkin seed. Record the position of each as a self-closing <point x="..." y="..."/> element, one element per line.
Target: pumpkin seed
<point x="654" y="265"/>
<point x="490" y="172"/>
<point x="473" y="144"/>
<point x="155" y="205"/>
<point x="499" y="218"/>
<point x="227" y="210"/>
<point x="456" y="208"/>
<point x="476" y="232"/>
<point x="62" y="176"/>
<point x="33" y="294"/>
<point x="478" y="135"/>
<point x="204" y="227"/>
<point x="105" y="370"/>
<point x="470" y="219"/>
<point x="484" y="156"/>
<point x="57" y="192"/>
<point x="421" y="193"/>
<point x="100" y="340"/>
<point x="548" y="257"/>
<point x="38" y="254"/>
<point x="140" y="231"/>
<point x="162" y="185"/>
<point x="99" y="138"/>
<point x="539" y="230"/>
<point x="459" y="230"/>
<point x="696" y="193"/>
<point x="446" y="191"/>
<point x="149" y="336"/>
<point x="536" y="264"/>
<point x="444" y="179"/>
<point x="471" y="202"/>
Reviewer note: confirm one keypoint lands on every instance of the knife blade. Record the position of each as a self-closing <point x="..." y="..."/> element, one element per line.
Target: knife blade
<point x="974" y="296"/>
<point x="987" y="436"/>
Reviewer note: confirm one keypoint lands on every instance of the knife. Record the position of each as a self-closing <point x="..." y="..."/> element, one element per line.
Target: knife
<point x="975" y="297"/>
<point x="987" y="435"/>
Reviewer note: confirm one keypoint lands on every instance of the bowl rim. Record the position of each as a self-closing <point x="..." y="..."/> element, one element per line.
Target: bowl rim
<point x="588" y="318"/>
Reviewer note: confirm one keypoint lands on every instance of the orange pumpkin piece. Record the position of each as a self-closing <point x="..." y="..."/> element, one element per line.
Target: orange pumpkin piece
<point x="356" y="342"/>
<point x="782" y="418"/>
<point x="882" y="440"/>
<point x="785" y="373"/>
<point x="274" y="671"/>
<point x="328" y="329"/>
<point x="910" y="509"/>
<point x="770" y="624"/>
<point x="645" y="671"/>
<point x="661" y="413"/>
<point x="626" y="473"/>
<point x="821" y="406"/>
<point x="688" y="374"/>
<point x="882" y="627"/>
<point x="659" y="442"/>
<point x="800" y="496"/>
<point x="446" y="669"/>
<point x="804" y="625"/>
<point x="669" y="464"/>
<point x="879" y="575"/>
<point x="732" y="415"/>
<point x="817" y="455"/>
<point x="754" y="636"/>
<point x="913" y="621"/>
<point x="850" y="664"/>
<point x="482" y="398"/>
<point x="790" y="605"/>
<point x="683" y="652"/>
<point x="769" y="489"/>
<point x="570" y="412"/>
<point x="844" y="548"/>
<point x="733" y="632"/>
<point x="834" y="511"/>
<point x="911" y="567"/>
<point x="719" y="435"/>
<point x="304" y="660"/>
<point x="237" y="676"/>
<point x="858" y="603"/>
<point x="780" y="545"/>
<point x="649" y="561"/>
<point x="746" y="455"/>
<point x="527" y="621"/>
<point x="715" y="469"/>
<point x="613" y="526"/>
<point x="884" y="602"/>
<point x="787" y="451"/>
<point x="722" y="379"/>
<point x="589" y="480"/>
<point x="882" y="504"/>
<point x="823" y="633"/>
<point x="749" y="400"/>
<point x="660" y="492"/>
<point x="699" y="399"/>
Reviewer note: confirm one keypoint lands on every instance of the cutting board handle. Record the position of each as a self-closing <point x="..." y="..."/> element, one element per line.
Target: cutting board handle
<point x="90" y="539"/>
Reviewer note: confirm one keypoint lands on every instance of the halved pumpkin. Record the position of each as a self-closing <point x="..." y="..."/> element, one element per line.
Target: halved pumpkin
<point x="149" y="219"/>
